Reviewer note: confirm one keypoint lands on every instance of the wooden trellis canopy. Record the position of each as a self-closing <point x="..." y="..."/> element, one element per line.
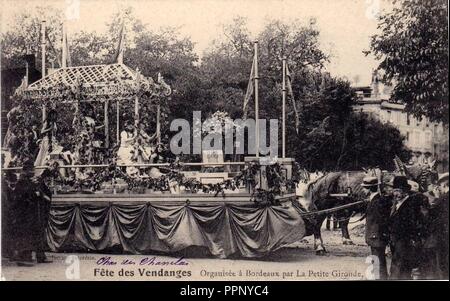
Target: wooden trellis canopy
<point x="84" y="82"/>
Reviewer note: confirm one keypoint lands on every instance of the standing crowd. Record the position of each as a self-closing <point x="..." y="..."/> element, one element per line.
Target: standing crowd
<point x="25" y="211"/>
<point x="413" y="225"/>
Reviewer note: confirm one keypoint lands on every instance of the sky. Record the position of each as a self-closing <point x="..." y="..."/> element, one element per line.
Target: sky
<point x="345" y="25"/>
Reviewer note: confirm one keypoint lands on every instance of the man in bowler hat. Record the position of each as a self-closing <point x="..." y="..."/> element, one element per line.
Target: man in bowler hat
<point x="377" y="216"/>
<point x="407" y="223"/>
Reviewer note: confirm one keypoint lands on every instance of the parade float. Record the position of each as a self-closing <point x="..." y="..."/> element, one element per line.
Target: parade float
<point x="103" y="203"/>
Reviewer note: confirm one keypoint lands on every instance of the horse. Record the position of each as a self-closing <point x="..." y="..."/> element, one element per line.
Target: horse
<point x="321" y="192"/>
<point x="327" y="191"/>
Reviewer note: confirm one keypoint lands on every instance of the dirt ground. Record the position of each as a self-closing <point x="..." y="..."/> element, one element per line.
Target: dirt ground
<point x="295" y="262"/>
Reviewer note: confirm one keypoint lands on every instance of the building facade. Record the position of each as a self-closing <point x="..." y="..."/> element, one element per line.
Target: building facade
<point x="428" y="141"/>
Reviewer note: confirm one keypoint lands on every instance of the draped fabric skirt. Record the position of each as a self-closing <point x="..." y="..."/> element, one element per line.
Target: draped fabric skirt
<point x="244" y="229"/>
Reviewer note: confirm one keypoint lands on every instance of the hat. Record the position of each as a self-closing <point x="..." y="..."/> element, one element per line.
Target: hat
<point x="369" y="182"/>
<point x="400" y="182"/>
<point x="443" y="178"/>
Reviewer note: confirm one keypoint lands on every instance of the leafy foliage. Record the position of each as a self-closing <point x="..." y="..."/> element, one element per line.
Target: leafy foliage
<point x="413" y="49"/>
<point x="331" y="137"/>
<point x="25" y="36"/>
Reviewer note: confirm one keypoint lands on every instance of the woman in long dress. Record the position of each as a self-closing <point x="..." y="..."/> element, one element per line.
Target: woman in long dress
<point x="46" y="145"/>
<point x="125" y="152"/>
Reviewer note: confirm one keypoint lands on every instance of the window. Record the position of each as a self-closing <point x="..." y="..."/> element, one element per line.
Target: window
<point x="416" y="139"/>
<point x="428" y="138"/>
<point x="398" y="117"/>
<point x="388" y="119"/>
<point x="408" y="121"/>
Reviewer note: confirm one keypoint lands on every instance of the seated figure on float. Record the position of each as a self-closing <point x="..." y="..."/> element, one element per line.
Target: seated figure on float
<point x="143" y="146"/>
<point x="65" y="155"/>
<point x="83" y="151"/>
<point x="90" y="125"/>
<point x="157" y="157"/>
<point x="147" y="141"/>
<point x="126" y="149"/>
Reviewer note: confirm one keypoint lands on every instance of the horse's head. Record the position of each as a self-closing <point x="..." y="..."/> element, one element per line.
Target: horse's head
<point x="304" y="191"/>
<point x="423" y="174"/>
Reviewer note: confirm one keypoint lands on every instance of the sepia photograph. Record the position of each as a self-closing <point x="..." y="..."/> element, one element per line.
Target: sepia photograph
<point x="224" y="140"/>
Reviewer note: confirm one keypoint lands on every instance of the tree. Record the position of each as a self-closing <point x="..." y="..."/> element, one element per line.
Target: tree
<point x="227" y="64"/>
<point x="24" y="37"/>
<point x="413" y="50"/>
<point x="330" y="137"/>
<point x="373" y="143"/>
<point x="90" y="48"/>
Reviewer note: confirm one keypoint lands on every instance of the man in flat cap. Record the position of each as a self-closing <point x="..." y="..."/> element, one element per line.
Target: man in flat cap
<point x="377" y="216"/>
<point x="407" y="223"/>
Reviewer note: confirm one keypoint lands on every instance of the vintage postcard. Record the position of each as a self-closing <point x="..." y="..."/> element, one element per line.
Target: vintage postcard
<point x="271" y="140"/>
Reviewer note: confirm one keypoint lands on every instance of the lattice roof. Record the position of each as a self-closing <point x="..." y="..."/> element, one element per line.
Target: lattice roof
<point x="90" y="75"/>
<point x="95" y="80"/>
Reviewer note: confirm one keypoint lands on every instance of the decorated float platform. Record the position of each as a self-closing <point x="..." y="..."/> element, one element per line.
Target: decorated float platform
<point x="242" y="221"/>
<point x="241" y="213"/>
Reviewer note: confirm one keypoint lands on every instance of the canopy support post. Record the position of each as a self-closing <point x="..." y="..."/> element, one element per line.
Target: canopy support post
<point x="44" y="113"/>
<point x="118" y="122"/>
<point x="256" y="78"/>
<point x="43" y="49"/>
<point x="158" y="123"/>
<point x="136" y="112"/>
<point x="283" y="110"/>
<point x="106" y="123"/>
<point x="77" y="112"/>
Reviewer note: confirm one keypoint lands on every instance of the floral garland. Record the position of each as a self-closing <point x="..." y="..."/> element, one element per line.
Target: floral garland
<point x="277" y="183"/>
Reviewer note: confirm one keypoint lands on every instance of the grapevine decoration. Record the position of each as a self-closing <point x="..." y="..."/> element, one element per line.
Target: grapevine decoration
<point x="114" y="84"/>
<point x="95" y="180"/>
<point x="72" y="87"/>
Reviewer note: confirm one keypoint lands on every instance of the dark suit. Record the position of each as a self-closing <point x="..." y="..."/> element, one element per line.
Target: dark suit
<point x="7" y="204"/>
<point x="407" y="229"/>
<point x="436" y="233"/>
<point x="25" y="218"/>
<point x="377" y="229"/>
<point x="442" y="220"/>
<point x="43" y="211"/>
